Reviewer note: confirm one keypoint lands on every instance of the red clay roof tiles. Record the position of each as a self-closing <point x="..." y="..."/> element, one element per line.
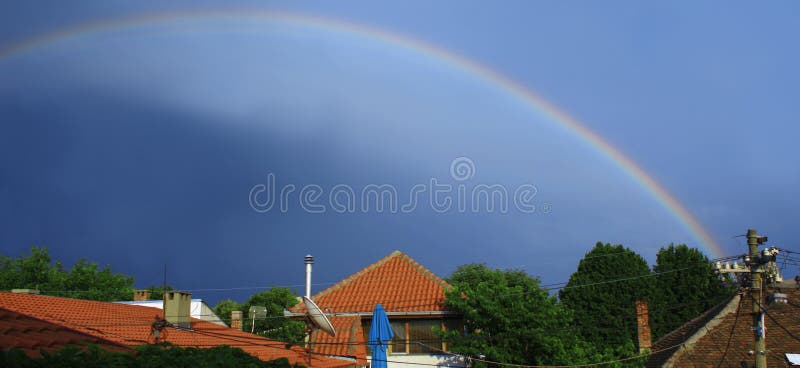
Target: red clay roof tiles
<point x="130" y="325"/>
<point x="349" y="340"/>
<point x="397" y="282"/>
<point x="31" y="335"/>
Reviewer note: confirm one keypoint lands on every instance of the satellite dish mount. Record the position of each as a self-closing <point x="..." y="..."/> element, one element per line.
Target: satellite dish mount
<point x="315" y="320"/>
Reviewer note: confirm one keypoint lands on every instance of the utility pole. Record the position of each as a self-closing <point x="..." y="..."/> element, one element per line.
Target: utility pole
<point x="760" y="270"/>
<point x="756" y="292"/>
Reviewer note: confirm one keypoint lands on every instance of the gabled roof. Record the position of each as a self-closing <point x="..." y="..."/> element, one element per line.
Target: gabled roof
<point x="397" y="282"/>
<point x="130" y="325"/>
<point x="723" y="336"/>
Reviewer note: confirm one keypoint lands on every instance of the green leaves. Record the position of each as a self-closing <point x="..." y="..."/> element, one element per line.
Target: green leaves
<point x="686" y="287"/>
<point x="146" y="356"/>
<point x="509" y="318"/>
<point x="275" y="325"/>
<point x="85" y="280"/>
<point x="610" y="279"/>
<point x="605" y="312"/>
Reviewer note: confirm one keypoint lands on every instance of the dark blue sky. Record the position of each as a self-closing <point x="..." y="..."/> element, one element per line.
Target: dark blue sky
<point x="138" y="146"/>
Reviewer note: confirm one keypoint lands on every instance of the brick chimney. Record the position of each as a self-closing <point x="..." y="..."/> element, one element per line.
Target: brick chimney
<point x="141" y="295"/>
<point x="236" y="320"/>
<point x="643" y="326"/>
<point x="178" y="309"/>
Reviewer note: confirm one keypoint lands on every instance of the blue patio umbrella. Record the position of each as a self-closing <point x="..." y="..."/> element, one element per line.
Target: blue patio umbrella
<point x="380" y="333"/>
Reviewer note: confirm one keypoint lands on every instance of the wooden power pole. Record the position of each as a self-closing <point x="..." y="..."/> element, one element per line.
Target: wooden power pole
<point x="756" y="293"/>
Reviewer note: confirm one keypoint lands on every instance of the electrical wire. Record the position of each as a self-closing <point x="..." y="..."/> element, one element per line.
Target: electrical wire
<point x="766" y="312"/>
<point x="239" y="288"/>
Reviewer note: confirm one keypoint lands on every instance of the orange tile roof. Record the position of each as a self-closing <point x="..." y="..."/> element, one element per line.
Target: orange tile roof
<point x="31" y="335"/>
<point x="130" y="325"/>
<point x="349" y="340"/>
<point x="397" y="282"/>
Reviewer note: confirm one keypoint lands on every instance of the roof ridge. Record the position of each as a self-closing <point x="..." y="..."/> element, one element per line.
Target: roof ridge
<point x="347" y="280"/>
<point x="708" y="319"/>
<point x="424" y="270"/>
<point x="371" y="267"/>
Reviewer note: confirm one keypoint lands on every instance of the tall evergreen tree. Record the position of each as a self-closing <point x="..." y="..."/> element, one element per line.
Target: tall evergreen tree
<point x="602" y="294"/>
<point x="686" y="286"/>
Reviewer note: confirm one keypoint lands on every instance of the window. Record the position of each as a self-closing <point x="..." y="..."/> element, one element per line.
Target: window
<point x="416" y="336"/>
<point x="399" y="342"/>
<point x="424" y="340"/>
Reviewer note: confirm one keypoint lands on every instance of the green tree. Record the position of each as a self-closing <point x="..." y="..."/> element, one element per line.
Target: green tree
<point x="157" y="292"/>
<point x="85" y="280"/>
<point x="224" y="308"/>
<point x="275" y="325"/>
<point x="32" y="271"/>
<point x="602" y="294"/>
<point x="95" y="283"/>
<point x="509" y="318"/>
<point x="686" y="287"/>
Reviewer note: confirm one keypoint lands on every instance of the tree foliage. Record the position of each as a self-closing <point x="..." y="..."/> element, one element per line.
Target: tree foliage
<point x="85" y="280"/>
<point x="157" y="292"/>
<point x="146" y="356"/>
<point x="686" y="287"/>
<point x="224" y="308"/>
<point x="509" y="318"/>
<point x="275" y="326"/>
<point x="605" y="312"/>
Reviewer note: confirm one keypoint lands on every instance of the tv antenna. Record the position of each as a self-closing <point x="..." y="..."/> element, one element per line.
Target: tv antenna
<point x="257" y="312"/>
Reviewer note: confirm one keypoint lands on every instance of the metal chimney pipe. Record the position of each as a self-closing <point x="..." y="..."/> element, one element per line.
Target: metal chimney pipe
<point x="309" y="262"/>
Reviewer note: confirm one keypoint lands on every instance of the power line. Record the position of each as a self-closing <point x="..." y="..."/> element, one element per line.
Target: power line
<point x="330" y="283"/>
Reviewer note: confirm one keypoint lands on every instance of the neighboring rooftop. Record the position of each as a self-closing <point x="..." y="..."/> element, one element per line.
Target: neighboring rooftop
<point x="723" y="336"/>
<point x="199" y="309"/>
<point x="130" y="325"/>
<point x="31" y="335"/>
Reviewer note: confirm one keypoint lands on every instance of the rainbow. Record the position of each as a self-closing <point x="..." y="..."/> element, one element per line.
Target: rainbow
<point x="494" y="78"/>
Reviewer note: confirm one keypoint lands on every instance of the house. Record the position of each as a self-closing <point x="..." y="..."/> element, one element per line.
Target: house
<point x="413" y="298"/>
<point x="30" y="322"/>
<point x="198" y="308"/>
<point x="723" y="336"/>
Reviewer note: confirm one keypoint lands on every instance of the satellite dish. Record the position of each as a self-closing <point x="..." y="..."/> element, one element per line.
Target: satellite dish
<point x="317" y="318"/>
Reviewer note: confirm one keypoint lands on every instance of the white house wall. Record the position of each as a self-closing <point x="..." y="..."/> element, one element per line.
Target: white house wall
<point x="414" y="361"/>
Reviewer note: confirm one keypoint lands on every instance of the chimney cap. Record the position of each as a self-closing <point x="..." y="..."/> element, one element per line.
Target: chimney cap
<point x="309" y="259"/>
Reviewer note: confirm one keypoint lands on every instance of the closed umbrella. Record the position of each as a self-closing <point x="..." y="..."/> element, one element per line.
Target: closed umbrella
<point x="380" y="333"/>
